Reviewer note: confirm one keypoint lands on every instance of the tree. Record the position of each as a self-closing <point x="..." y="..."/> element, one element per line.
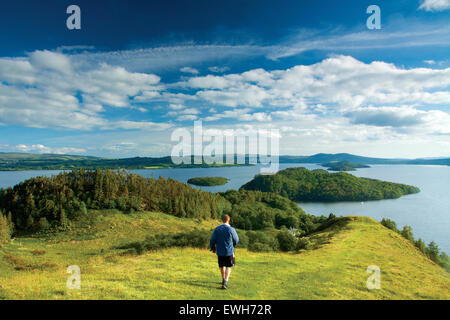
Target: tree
<point x="407" y="233"/>
<point x="420" y="244"/>
<point x="433" y="251"/>
<point x="286" y="241"/>
<point x="29" y="221"/>
<point x="43" y="223"/>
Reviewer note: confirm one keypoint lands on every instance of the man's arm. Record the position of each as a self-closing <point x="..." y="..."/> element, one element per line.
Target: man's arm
<point x="235" y="237"/>
<point x="212" y="242"/>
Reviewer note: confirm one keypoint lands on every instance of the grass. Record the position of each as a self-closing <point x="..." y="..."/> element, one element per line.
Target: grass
<point x="35" y="268"/>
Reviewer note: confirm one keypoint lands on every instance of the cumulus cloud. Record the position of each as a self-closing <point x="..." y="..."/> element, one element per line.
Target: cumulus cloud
<point x="335" y="100"/>
<point x="39" y="148"/>
<point x="435" y="5"/>
<point x="340" y="81"/>
<point x="48" y="89"/>
<point x="189" y="70"/>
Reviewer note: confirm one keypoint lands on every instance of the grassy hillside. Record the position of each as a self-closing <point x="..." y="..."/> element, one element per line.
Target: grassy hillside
<point x="35" y="268"/>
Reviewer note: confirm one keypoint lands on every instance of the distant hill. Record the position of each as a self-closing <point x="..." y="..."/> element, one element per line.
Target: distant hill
<point x="25" y="161"/>
<point x="326" y="157"/>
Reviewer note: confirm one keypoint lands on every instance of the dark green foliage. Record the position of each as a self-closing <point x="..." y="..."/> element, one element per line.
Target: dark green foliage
<point x="286" y="241"/>
<point x="6" y="228"/>
<point x="67" y="196"/>
<point x="43" y="224"/>
<point x="407" y="233"/>
<point x="255" y="210"/>
<point x="194" y="239"/>
<point x="421" y="245"/>
<point x="262" y="242"/>
<point x="304" y="244"/>
<point x="208" y="181"/>
<point x="433" y="251"/>
<point x="390" y="224"/>
<point x="300" y="184"/>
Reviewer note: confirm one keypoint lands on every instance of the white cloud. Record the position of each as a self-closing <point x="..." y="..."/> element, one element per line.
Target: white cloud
<point x="187" y="117"/>
<point x="189" y="70"/>
<point x="339" y="81"/>
<point x="217" y="69"/>
<point x="51" y="60"/>
<point x="435" y="5"/>
<point x="176" y="106"/>
<point x="39" y="148"/>
<point x="48" y="89"/>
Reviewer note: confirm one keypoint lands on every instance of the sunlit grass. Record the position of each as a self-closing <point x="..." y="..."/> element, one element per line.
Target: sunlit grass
<point x="36" y="268"/>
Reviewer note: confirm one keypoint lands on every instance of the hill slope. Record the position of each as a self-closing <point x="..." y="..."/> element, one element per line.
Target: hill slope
<point x="35" y="268"/>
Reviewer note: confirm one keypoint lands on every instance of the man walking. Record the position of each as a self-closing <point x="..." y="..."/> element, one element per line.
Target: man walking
<point x="223" y="240"/>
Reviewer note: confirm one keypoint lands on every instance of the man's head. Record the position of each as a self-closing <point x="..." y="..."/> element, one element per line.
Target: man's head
<point x="225" y="218"/>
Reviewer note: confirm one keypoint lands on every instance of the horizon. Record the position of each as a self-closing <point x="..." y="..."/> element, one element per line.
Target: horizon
<point x="236" y="154"/>
<point x="136" y="72"/>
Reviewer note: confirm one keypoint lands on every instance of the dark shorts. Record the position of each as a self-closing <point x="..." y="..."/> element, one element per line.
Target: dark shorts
<point x="227" y="261"/>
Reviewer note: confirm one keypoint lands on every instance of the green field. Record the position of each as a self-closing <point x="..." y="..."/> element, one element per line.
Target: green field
<point x="35" y="267"/>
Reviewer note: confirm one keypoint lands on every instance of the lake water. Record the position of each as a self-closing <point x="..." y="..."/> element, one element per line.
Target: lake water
<point x="427" y="212"/>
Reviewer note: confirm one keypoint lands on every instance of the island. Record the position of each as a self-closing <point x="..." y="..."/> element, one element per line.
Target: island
<point x="343" y="166"/>
<point x="208" y="181"/>
<point x="300" y="184"/>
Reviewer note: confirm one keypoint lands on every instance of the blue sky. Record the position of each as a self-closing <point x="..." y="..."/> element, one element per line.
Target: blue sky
<point x="137" y="71"/>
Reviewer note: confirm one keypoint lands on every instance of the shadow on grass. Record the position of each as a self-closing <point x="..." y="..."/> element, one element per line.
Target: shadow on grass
<point x="203" y="284"/>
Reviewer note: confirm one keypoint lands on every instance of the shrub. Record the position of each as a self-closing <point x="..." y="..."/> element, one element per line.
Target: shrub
<point x="304" y="244"/>
<point x="195" y="239"/>
<point x="286" y="241"/>
<point x="5" y="229"/>
<point x="433" y="251"/>
<point x="407" y="233"/>
<point x="43" y="224"/>
<point x="389" y="224"/>
<point x="243" y="239"/>
<point x="421" y="245"/>
<point x="261" y="242"/>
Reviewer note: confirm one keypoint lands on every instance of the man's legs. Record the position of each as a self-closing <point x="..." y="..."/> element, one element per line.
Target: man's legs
<point x="223" y="272"/>
<point x="227" y="273"/>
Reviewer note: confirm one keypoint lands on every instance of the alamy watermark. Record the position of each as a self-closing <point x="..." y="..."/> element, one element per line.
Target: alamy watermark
<point x="73" y="22"/>
<point x="374" y="21"/>
<point x="374" y="281"/>
<point x="230" y="146"/>
<point x="74" y="281"/>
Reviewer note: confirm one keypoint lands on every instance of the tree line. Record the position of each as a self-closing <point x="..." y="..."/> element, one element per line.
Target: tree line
<point x="53" y="202"/>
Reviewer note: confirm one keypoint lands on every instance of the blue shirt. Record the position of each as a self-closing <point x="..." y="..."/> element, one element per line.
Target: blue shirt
<point x="224" y="238"/>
